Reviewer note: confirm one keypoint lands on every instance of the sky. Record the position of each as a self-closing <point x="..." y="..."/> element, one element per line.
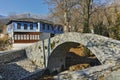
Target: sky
<point x="38" y="7"/>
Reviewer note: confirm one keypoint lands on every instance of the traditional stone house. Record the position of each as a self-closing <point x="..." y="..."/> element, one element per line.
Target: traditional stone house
<point x="29" y="30"/>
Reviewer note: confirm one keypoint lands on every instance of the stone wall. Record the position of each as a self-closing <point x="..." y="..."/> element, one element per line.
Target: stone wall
<point x="94" y="73"/>
<point x="35" y="54"/>
<point x="105" y="49"/>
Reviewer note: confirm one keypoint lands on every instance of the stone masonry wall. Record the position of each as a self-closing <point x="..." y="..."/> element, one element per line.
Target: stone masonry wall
<point x="94" y="73"/>
<point x="105" y="49"/>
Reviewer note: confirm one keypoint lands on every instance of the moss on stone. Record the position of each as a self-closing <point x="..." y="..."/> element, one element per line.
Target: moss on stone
<point x="39" y="47"/>
<point x="45" y="47"/>
<point x="57" y="41"/>
<point x="52" y="44"/>
<point x="87" y="51"/>
<point x="41" y="57"/>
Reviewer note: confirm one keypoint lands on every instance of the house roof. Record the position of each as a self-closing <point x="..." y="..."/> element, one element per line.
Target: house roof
<point x="32" y="20"/>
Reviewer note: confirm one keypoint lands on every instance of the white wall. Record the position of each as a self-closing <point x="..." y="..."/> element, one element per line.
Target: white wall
<point x="38" y="27"/>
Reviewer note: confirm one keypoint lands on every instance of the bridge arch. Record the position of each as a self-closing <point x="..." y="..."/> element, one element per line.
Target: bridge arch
<point x="68" y="54"/>
<point x="105" y="49"/>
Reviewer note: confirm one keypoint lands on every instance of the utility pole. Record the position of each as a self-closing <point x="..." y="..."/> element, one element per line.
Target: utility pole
<point x="46" y="55"/>
<point x="49" y="45"/>
<point x="43" y="45"/>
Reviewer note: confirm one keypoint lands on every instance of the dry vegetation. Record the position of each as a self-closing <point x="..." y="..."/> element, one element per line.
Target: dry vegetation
<point x="79" y="67"/>
<point x="82" y="51"/>
<point x="5" y="43"/>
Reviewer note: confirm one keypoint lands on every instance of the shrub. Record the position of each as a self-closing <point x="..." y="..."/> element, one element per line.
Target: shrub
<point x="5" y="42"/>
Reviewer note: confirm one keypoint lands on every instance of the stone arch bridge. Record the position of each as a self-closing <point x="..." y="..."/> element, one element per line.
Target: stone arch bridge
<point x="105" y="49"/>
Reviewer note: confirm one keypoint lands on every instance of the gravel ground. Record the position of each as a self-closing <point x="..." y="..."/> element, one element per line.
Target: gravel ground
<point x="17" y="70"/>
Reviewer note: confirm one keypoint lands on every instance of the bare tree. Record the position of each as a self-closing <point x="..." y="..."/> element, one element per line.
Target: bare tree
<point x="62" y="11"/>
<point x="86" y="7"/>
<point x="77" y="14"/>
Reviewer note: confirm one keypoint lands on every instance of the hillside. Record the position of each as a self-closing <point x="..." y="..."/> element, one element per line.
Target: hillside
<point x="1" y="16"/>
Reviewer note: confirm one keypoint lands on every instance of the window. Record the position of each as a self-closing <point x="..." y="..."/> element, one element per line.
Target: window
<point x="43" y="26"/>
<point x="18" y="37"/>
<point x="36" y="26"/>
<point x="59" y="28"/>
<point x="55" y="27"/>
<point x="38" y="37"/>
<point x="35" y="37"/>
<point x="25" y="26"/>
<point x="18" y="26"/>
<point x="21" y="37"/>
<point x="52" y="27"/>
<point x="47" y="26"/>
<point x="31" y="37"/>
<point x="15" y="37"/>
<point x="31" y="26"/>
<point x="27" y="37"/>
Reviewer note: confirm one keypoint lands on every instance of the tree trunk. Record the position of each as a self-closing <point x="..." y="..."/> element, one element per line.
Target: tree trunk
<point x="66" y="18"/>
<point x="86" y="28"/>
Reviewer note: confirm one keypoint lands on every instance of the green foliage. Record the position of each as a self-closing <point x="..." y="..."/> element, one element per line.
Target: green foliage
<point x="39" y="47"/>
<point x="115" y="32"/>
<point x="45" y="47"/>
<point x="87" y="51"/>
<point x="86" y="28"/>
<point x="52" y="44"/>
<point x="41" y="57"/>
<point x="101" y="29"/>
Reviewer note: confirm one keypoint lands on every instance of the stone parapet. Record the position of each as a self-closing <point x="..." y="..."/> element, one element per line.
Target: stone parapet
<point x="6" y="57"/>
<point x="93" y="73"/>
